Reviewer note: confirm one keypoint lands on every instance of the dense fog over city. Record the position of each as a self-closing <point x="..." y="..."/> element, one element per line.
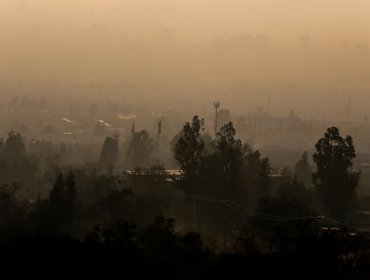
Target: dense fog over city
<point x="187" y="139"/>
<point x="279" y="54"/>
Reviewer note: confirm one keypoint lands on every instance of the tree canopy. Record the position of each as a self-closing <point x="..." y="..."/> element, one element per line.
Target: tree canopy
<point x="190" y="149"/>
<point x="141" y="148"/>
<point x="335" y="179"/>
<point x="109" y="152"/>
<point x="303" y="170"/>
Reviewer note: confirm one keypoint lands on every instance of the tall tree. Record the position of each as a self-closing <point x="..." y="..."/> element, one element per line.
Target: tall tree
<point x="109" y="152"/>
<point x="230" y="153"/>
<point x="335" y="178"/>
<point x="141" y="148"/>
<point x="189" y="148"/>
<point x="70" y="192"/>
<point x="11" y="211"/>
<point x="303" y="170"/>
<point x="14" y="147"/>
<point x="254" y="176"/>
<point x="55" y="215"/>
<point x="16" y="165"/>
<point x="56" y="196"/>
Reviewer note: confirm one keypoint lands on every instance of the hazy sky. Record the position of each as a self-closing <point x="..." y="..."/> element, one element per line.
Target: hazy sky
<point x="334" y="18"/>
<point x="172" y="41"/>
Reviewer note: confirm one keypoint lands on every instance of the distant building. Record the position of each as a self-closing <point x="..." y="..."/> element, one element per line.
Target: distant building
<point x="170" y="174"/>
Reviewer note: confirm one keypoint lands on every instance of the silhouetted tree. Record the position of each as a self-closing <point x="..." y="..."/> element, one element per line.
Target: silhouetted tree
<point x="229" y="147"/>
<point x="160" y="236"/>
<point x="16" y="165"/>
<point x="11" y="211"/>
<point x="303" y="170"/>
<point x="70" y="194"/>
<point x="230" y="156"/>
<point x="190" y="149"/>
<point x="264" y="175"/>
<point x="55" y="215"/>
<point x="56" y="196"/>
<point x="254" y="176"/>
<point x="14" y="148"/>
<point x="140" y="152"/>
<point x="335" y="178"/>
<point x="109" y="152"/>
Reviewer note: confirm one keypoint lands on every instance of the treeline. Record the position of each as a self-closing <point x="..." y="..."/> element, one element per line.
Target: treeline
<point x="231" y="208"/>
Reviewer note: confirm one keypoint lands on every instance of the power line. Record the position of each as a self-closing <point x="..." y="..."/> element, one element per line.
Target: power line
<point x="240" y="209"/>
<point x="263" y="216"/>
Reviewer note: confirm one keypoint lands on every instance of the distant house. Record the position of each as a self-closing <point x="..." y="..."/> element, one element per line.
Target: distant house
<point x="104" y="123"/>
<point x="67" y="121"/>
<point x="169" y="174"/>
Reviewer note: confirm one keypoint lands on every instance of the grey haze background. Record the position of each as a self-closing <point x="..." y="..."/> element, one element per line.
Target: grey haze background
<point x="308" y="55"/>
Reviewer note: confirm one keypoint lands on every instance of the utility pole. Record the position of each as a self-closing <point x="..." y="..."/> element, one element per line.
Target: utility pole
<point x="217" y="105"/>
<point x="348" y="107"/>
<point x="159" y="138"/>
